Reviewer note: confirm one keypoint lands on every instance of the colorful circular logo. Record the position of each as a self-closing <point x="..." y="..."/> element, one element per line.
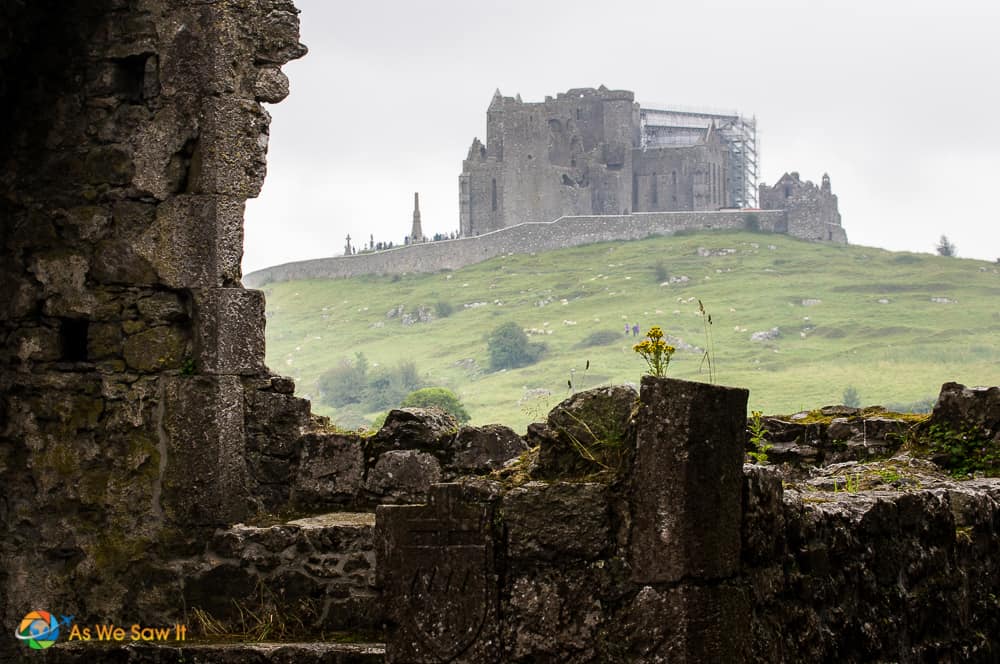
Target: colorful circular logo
<point x="40" y="629"/>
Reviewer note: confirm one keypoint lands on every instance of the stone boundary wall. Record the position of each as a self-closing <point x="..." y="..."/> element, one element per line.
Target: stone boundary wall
<point x="521" y="239"/>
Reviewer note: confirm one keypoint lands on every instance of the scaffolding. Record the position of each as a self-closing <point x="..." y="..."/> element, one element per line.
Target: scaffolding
<point x="664" y="128"/>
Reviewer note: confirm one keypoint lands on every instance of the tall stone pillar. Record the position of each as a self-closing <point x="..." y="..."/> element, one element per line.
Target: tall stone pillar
<point x="416" y="233"/>
<point x="684" y="497"/>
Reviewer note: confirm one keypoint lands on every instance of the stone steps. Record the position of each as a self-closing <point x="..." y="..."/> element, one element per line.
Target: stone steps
<point x="216" y="653"/>
<point x="315" y="574"/>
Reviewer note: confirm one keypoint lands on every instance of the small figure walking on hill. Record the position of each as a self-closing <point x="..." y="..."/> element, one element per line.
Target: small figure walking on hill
<point x="635" y="330"/>
<point x="626" y="329"/>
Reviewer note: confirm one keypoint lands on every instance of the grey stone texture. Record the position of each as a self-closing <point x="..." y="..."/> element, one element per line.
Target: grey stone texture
<point x="206" y="481"/>
<point x="331" y="471"/>
<point x="685" y="486"/>
<point x="964" y="408"/>
<point x="403" y="476"/>
<point x="229" y="331"/>
<point x="483" y="449"/>
<point x="813" y="574"/>
<point x="132" y="136"/>
<point x="436" y="568"/>
<point x="319" y="569"/>
<point x="905" y="576"/>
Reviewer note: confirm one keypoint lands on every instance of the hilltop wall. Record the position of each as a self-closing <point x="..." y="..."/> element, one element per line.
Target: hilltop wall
<point x="521" y="239"/>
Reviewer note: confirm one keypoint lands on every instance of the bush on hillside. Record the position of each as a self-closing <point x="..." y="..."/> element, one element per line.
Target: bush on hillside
<point x="387" y="387"/>
<point x="353" y="383"/>
<point x="509" y="347"/>
<point x="443" y="309"/>
<point x="851" y="398"/>
<point x="438" y="397"/>
<point x="342" y="385"/>
<point x="660" y="272"/>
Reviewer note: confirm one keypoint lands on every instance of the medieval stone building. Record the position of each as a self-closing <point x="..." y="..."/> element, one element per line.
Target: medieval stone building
<point x="595" y="151"/>
<point x="810" y="211"/>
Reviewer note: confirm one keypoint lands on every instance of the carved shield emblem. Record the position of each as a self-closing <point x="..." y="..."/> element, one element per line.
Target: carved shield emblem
<point x="448" y="597"/>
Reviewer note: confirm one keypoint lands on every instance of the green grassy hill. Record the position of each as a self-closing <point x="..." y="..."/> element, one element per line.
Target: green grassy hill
<point x="894" y="326"/>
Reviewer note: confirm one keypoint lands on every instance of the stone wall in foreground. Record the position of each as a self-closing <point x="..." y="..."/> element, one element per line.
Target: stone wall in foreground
<point x="688" y="555"/>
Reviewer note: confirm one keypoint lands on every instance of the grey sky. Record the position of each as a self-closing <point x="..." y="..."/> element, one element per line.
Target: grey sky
<point x="894" y="99"/>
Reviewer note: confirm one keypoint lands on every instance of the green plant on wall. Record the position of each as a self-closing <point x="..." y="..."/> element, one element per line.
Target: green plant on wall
<point x="655" y="351"/>
<point x="964" y="452"/>
<point x="758" y="438"/>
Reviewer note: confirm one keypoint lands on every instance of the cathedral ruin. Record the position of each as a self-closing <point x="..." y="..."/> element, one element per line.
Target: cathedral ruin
<point x="597" y="152"/>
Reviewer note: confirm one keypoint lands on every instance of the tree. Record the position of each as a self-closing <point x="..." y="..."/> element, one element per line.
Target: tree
<point x="438" y="397"/>
<point x="851" y="398"/>
<point x="387" y="387"/>
<point x="509" y="347"/>
<point x="945" y="247"/>
<point x="344" y="384"/>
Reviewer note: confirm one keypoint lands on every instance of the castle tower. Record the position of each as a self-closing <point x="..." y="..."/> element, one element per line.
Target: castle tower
<point x="416" y="234"/>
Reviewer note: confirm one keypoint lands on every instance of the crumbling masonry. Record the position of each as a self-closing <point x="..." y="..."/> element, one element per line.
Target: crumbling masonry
<point x="149" y="461"/>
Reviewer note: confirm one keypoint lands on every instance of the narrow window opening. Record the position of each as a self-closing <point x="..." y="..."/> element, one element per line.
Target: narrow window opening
<point x="73" y="339"/>
<point x="493" y="194"/>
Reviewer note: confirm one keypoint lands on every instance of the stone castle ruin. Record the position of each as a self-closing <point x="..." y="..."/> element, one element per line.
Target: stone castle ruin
<point x="154" y="471"/>
<point x="591" y="165"/>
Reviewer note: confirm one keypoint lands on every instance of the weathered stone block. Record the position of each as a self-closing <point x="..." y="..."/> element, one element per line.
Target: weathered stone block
<point x="34" y="344"/>
<point x="687" y="481"/>
<point x="686" y="624"/>
<point x="556" y="614"/>
<point x="160" y="347"/>
<point x="599" y="420"/>
<point x="959" y="407"/>
<point x="436" y="566"/>
<point x="331" y="471"/>
<point x="195" y="241"/>
<point x="232" y="149"/>
<point x="162" y="308"/>
<point x="483" y="449"/>
<point x="204" y="481"/>
<point x="415" y="428"/>
<point x="557" y="521"/>
<point x="63" y="277"/>
<point x="229" y="331"/>
<point x="271" y="85"/>
<point x="403" y="476"/>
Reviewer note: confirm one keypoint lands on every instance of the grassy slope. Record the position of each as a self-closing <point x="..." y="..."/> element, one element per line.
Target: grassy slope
<point x="898" y="352"/>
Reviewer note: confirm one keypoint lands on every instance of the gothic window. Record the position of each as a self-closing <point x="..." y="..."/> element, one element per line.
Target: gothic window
<point x="493" y="194"/>
<point x="655" y="194"/>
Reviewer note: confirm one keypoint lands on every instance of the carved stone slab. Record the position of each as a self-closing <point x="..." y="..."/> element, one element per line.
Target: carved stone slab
<point x="436" y="566"/>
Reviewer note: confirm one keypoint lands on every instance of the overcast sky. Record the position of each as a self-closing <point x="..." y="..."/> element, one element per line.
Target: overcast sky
<point x="896" y="100"/>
